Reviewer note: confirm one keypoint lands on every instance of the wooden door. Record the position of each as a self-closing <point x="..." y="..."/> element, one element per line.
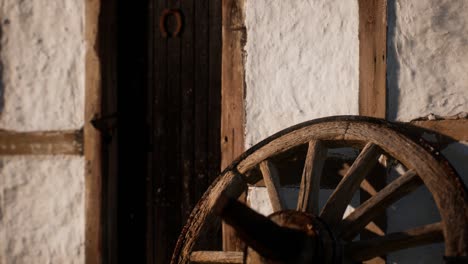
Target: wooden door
<point x="185" y="91"/>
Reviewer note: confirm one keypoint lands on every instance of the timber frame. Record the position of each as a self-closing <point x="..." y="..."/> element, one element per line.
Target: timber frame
<point x="92" y="137"/>
<point x="87" y="142"/>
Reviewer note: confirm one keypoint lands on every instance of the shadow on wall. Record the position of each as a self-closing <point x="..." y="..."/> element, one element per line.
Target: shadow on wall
<point x="393" y="65"/>
<point x="454" y="151"/>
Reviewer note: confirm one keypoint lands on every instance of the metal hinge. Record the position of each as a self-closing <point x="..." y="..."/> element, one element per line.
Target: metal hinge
<point x="107" y="125"/>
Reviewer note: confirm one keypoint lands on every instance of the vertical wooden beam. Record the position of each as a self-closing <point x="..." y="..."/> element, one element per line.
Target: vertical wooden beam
<point x="92" y="138"/>
<point x="372" y="82"/>
<point x="232" y="94"/>
<point x="372" y="57"/>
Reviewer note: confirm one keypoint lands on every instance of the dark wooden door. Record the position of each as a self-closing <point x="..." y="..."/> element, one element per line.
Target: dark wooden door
<point x="184" y="102"/>
<point x="168" y="121"/>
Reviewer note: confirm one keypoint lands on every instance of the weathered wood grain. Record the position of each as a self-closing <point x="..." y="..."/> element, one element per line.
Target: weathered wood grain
<point x="217" y="257"/>
<point x="92" y="137"/>
<point x="395" y="144"/>
<point x="440" y="179"/>
<point x="232" y="95"/>
<point x="41" y="143"/>
<point x="271" y="179"/>
<point x="366" y="249"/>
<point x="372" y="57"/>
<point x="232" y="80"/>
<point x="456" y="129"/>
<point x="308" y="199"/>
<point x="330" y="132"/>
<point x="231" y="184"/>
<point x="362" y="215"/>
<point x="372" y="75"/>
<point x="334" y="209"/>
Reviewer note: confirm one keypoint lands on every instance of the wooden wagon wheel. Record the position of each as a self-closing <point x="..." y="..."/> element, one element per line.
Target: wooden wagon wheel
<point x="327" y="228"/>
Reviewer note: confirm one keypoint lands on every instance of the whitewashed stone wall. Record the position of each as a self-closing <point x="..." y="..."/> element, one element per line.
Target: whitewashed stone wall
<point x="41" y="88"/>
<point x="42" y="210"/>
<point x="302" y="63"/>
<point x="42" y="59"/>
<point x="427" y="58"/>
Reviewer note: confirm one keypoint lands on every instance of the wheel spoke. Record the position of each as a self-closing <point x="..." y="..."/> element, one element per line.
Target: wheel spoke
<point x="362" y="215"/>
<point x="271" y="179"/>
<point x="261" y="233"/>
<point x="367" y="249"/>
<point x="334" y="209"/>
<point x="218" y="257"/>
<point x="310" y="184"/>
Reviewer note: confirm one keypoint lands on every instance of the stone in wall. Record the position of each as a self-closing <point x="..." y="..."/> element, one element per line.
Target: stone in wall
<point x="427" y="58"/>
<point x="41" y="210"/>
<point x="42" y="65"/>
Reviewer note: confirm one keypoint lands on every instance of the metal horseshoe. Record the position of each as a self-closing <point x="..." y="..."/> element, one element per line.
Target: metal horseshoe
<point x="162" y="22"/>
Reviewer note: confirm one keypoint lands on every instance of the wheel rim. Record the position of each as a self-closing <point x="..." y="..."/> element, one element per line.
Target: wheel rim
<point x="445" y="186"/>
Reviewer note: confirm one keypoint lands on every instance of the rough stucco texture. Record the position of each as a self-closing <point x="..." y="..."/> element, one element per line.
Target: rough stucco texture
<point x="427" y="58"/>
<point x="41" y="210"/>
<point x="302" y="63"/>
<point x="42" y="60"/>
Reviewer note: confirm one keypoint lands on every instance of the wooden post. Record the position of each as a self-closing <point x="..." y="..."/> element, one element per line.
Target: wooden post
<point x="92" y="137"/>
<point x="372" y="84"/>
<point x="372" y="57"/>
<point x="232" y="94"/>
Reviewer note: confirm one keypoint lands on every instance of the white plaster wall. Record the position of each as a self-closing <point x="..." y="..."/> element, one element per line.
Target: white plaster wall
<point x="302" y="63"/>
<point x="42" y="64"/>
<point x="41" y="210"/>
<point x="427" y="58"/>
<point x="42" y="88"/>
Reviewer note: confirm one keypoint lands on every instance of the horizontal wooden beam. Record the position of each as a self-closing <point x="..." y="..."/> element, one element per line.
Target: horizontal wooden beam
<point x="41" y="143"/>
<point x="217" y="257"/>
<point x="456" y="129"/>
